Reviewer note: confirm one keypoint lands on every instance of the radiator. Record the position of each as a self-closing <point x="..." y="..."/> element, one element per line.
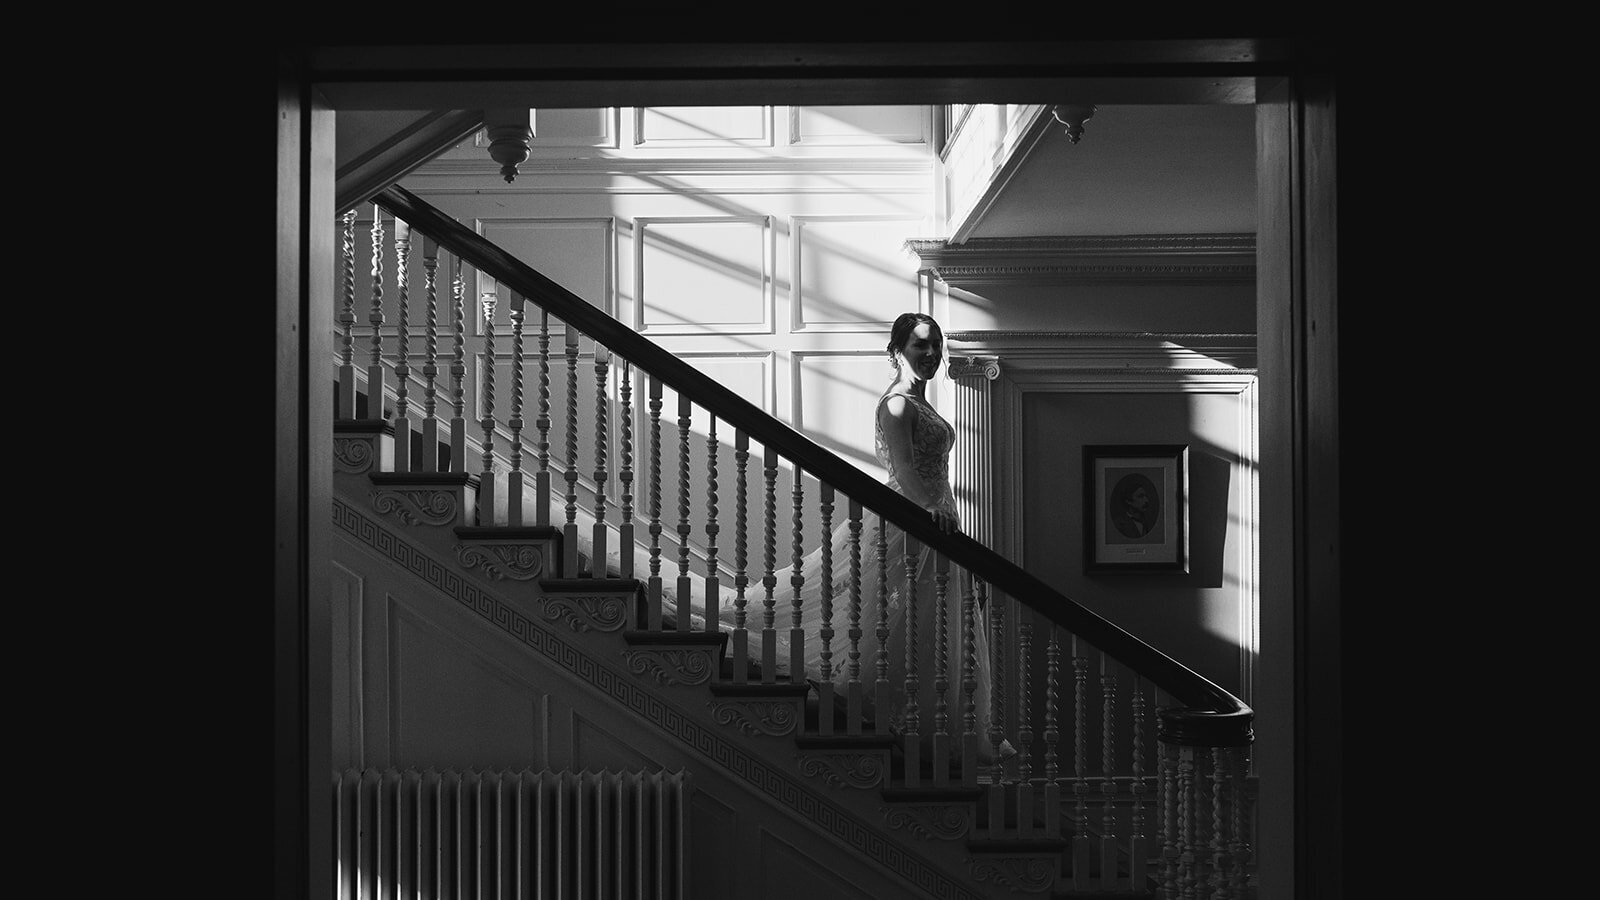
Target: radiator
<point x="509" y="835"/>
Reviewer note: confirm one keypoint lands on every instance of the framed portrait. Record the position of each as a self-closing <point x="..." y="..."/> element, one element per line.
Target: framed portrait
<point x="1136" y="508"/>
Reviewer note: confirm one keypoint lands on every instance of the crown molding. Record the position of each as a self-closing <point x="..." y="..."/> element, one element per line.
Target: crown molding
<point x="657" y="166"/>
<point x="1123" y="258"/>
<point x="1006" y="350"/>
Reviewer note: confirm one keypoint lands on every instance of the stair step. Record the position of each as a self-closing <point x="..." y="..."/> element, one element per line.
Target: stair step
<point x="1012" y="846"/>
<point x="586" y="585"/>
<point x="932" y="795"/>
<point x="869" y="741"/>
<point x="506" y="532"/>
<point x="428" y="479"/>
<point x="778" y="689"/>
<point x="641" y="637"/>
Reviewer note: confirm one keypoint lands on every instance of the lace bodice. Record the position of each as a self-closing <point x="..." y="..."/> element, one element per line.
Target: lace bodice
<point x="931" y="440"/>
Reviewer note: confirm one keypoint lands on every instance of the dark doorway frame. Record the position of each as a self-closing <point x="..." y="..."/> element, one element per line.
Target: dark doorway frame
<point x="1293" y="87"/>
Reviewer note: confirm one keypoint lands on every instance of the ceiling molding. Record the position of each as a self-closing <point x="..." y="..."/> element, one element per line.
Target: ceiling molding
<point x="657" y="166"/>
<point x="1039" y="260"/>
<point x="401" y="152"/>
<point x="1195" y="351"/>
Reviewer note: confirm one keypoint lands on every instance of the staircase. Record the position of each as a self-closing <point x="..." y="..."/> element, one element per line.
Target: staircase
<point x="1160" y="808"/>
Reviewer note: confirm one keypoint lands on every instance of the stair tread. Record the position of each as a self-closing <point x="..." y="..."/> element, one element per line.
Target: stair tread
<point x="638" y="636"/>
<point x="469" y="532"/>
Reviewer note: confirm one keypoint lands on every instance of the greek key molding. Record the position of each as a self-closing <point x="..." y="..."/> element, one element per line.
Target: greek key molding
<point x="756" y="717"/>
<point x="845" y="770"/>
<point x="353" y="455"/>
<point x="786" y="790"/>
<point x="930" y="821"/>
<point x="670" y="667"/>
<point x="517" y="561"/>
<point x="1031" y="874"/>
<point x="417" y="506"/>
<point x="586" y="612"/>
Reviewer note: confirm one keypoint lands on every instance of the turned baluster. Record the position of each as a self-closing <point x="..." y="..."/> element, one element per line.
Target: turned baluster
<point x="880" y="686"/>
<point x="1108" y="769"/>
<point x="653" y="595"/>
<point x="825" y="687"/>
<point x="1052" y="735"/>
<point x="685" y="598"/>
<point x="375" y="374"/>
<point x="402" y="365"/>
<point x="430" y="367"/>
<point x="741" y="635"/>
<point x="797" y="637"/>
<point x="625" y="476"/>
<point x="1138" y="852"/>
<point x="486" y="492"/>
<point x="514" y="481"/>
<point x="569" y="531"/>
<point x="458" y="373"/>
<point x="1188" y="813"/>
<point x="1217" y="879"/>
<point x="713" y="591"/>
<point x="913" y="681"/>
<point x="1025" y="725"/>
<point x="769" y="581"/>
<point x="600" y="555"/>
<point x="1172" y="830"/>
<point x="1239" y="849"/>
<point x="541" y="480"/>
<point x="853" y="703"/>
<point x="941" y="671"/>
<point x="969" y="686"/>
<point x="345" y="408"/>
<point x="1081" y="849"/>
<point x="997" y="700"/>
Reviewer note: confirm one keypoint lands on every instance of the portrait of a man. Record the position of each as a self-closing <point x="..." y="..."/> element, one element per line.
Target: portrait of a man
<point x="1134" y="505"/>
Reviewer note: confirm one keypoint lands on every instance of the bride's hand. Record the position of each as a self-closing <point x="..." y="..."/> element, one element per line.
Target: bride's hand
<point x="943" y="519"/>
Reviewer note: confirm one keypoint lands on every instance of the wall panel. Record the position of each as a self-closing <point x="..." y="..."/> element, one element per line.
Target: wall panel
<point x="851" y="273"/>
<point x="447" y="699"/>
<point x="703" y="126"/>
<point x="705" y="275"/>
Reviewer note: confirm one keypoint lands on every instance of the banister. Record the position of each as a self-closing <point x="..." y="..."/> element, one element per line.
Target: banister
<point x="1222" y="709"/>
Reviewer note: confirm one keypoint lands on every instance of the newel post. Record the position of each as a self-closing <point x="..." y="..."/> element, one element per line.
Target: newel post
<point x="1204" y="758"/>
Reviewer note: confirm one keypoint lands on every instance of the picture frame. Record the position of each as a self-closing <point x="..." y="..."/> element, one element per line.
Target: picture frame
<point x="1136" y="508"/>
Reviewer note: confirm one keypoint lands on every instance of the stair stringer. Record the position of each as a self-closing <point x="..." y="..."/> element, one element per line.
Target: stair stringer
<point x="682" y="726"/>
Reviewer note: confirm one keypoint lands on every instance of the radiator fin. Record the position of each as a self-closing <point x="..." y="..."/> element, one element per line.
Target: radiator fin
<point x="510" y="835"/>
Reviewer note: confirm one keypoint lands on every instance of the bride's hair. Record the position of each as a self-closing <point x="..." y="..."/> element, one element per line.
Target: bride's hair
<point x="900" y="332"/>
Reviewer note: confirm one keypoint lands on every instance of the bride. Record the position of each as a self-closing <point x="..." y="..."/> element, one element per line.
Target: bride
<point x="913" y="442"/>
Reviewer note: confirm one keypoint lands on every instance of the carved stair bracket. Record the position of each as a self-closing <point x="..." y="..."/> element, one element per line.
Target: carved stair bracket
<point x="841" y="770"/>
<point x="756" y="717"/>
<point x="930" y="821"/>
<point x="1033" y="874"/>
<point x="673" y="666"/>
<point x="520" y="561"/>
<point x="361" y="446"/>
<point x="586" y="612"/>
<point x="420" y="506"/>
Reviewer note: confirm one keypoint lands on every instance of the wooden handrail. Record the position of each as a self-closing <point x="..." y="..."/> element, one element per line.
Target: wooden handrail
<point x="1171" y="676"/>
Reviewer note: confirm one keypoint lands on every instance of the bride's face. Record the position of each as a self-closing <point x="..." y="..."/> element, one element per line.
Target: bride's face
<point x="923" y="350"/>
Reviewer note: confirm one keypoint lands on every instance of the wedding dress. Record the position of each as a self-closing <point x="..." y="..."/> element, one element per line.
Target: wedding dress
<point x="932" y="440"/>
